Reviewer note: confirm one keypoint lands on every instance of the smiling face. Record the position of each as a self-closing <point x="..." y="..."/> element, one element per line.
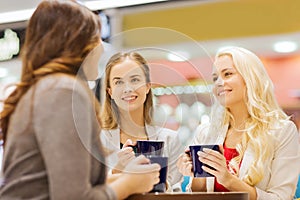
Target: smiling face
<point x="128" y="86"/>
<point x="229" y="85"/>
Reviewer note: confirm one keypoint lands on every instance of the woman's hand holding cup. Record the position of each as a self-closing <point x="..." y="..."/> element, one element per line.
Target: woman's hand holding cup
<point x="125" y="155"/>
<point x="185" y="164"/>
<point x="142" y="175"/>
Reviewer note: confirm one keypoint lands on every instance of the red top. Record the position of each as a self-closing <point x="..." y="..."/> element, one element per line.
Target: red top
<point x="229" y="153"/>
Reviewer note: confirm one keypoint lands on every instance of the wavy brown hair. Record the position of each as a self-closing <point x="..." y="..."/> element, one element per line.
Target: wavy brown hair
<point x="59" y="36"/>
<point x="110" y="113"/>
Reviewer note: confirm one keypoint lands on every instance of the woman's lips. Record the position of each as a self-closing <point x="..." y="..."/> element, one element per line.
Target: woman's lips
<point x="223" y="92"/>
<point x="129" y="98"/>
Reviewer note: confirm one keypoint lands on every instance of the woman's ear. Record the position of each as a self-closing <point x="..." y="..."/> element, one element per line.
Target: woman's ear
<point x="148" y="87"/>
<point x="109" y="92"/>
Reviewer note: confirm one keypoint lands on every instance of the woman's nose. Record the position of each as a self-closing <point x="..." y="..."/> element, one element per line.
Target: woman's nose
<point x="128" y="88"/>
<point x="219" y="82"/>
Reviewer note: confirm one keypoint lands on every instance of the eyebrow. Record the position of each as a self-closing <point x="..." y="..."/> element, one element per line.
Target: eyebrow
<point x="118" y="78"/>
<point x="136" y="75"/>
<point x="229" y="68"/>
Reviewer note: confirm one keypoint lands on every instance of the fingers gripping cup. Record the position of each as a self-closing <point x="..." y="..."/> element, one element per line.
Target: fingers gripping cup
<point x="149" y="147"/>
<point x="197" y="164"/>
<point x="163" y="162"/>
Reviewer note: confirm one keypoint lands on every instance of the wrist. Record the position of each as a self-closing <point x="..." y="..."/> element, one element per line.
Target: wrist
<point x="122" y="187"/>
<point x="230" y="182"/>
<point x="115" y="171"/>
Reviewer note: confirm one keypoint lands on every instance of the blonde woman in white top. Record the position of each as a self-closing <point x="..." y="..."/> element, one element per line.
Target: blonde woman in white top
<point x="248" y="122"/>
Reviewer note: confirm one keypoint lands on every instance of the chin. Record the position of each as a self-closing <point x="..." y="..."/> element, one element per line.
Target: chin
<point x="222" y="102"/>
<point x="91" y="77"/>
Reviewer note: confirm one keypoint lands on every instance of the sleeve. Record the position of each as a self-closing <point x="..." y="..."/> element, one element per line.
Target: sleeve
<point x="67" y="161"/>
<point x="200" y="137"/>
<point x="111" y="150"/>
<point x="175" y="148"/>
<point x="285" y="167"/>
<point x="200" y="134"/>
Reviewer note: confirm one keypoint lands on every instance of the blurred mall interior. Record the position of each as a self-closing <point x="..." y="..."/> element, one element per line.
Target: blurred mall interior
<point x="179" y="39"/>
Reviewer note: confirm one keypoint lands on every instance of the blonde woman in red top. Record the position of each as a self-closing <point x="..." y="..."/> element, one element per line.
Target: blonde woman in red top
<point x="259" y="142"/>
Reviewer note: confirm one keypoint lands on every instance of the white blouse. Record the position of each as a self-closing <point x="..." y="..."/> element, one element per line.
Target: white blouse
<point x="172" y="149"/>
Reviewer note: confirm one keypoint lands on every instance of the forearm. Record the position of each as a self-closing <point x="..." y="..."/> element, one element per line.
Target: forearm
<point x="198" y="184"/>
<point x="119" y="186"/>
<point x="115" y="171"/>
<point x="237" y="185"/>
<point x="112" y="177"/>
<point x="174" y="151"/>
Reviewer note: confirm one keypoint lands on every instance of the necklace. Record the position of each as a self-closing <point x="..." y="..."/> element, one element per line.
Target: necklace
<point x="238" y="128"/>
<point x="234" y="135"/>
<point x="124" y="137"/>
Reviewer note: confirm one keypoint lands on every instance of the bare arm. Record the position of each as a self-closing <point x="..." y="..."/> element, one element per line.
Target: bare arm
<point x="132" y="180"/>
<point x="198" y="185"/>
<point x="185" y="166"/>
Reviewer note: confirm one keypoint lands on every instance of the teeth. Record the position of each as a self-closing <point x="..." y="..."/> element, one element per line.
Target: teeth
<point x="223" y="92"/>
<point x="129" y="98"/>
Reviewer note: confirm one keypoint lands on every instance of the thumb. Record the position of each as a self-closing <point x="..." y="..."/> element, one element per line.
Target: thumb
<point x="128" y="143"/>
<point x="141" y="160"/>
<point x="141" y="165"/>
<point x="221" y="149"/>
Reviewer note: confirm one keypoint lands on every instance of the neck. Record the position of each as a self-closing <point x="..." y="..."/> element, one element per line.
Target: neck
<point x="133" y="122"/>
<point x="240" y="115"/>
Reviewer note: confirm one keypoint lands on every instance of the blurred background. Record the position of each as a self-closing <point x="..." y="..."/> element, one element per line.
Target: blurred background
<point x="179" y="39"/>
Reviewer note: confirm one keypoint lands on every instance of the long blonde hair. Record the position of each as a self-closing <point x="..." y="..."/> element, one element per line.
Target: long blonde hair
<point x="109" y="111"/>
<point x="59" y="36"/>
<point x="264" y="111"/>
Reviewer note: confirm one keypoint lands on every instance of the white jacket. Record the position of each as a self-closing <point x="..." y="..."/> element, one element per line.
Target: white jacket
<point x="172" y="148"/>
<point x="279" y="183"/>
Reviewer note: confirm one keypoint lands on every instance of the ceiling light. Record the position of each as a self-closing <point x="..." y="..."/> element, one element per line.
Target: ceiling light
<point x="178" y="56"/>
<point x="285" y="47"/>
<point x="24" y="15"/>
<point x="102" y="4"/>
<point x="16" y="16"/>
<point x="222" y="48"/>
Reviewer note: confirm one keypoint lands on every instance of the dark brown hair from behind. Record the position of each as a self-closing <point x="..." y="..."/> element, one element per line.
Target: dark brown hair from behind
<point x="59" y="36"/>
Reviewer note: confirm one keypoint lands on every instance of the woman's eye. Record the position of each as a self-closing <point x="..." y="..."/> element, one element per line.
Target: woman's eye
<point x="227" y="74"/>
<point x="135" y="80"/>
<point x="118" y="82"/>
<point x="215" y="79"/>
